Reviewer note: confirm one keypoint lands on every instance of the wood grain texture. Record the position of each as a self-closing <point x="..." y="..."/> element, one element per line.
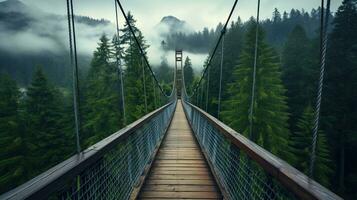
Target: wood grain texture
<point x="180" y="170"/>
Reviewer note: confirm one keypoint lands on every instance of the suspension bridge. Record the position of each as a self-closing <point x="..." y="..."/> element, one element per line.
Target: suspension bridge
<point x="177" y="151"/>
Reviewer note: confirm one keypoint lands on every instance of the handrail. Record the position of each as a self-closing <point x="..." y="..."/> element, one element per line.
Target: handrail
<point x="289" y="177"/>
<point x="59" y="175"/>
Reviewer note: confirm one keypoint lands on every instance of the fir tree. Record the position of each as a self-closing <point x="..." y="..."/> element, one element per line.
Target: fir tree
<point x="103" y="115"/>
<point x="13" y="148"/>
<point x="164" y="72"/>
<point x="134" y="84"/>
<point x="44" y="114"/>
<point x="340" y="94"/>
<point x="276" y="16"/>
<point x="299" y="73"/>
<point x="270" y="109"/>
<point x="301" y="142"/>
<point x="188" y="74"/>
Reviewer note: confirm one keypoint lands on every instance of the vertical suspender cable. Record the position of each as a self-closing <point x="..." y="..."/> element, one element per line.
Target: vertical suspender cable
<point x="220" y="75"/>
<point x="74" y="65"/>
<point x="207" y="90"/>
<point x="251" y="112"/>
<point x="215" y="49"/>
<point x="153" y="85"/>
<point x="323" y="48"/>
<point x="140" y="48"/>
<point x="144" y="85"/>
<point x="119" y="65"/>
<point x="201" y="99"/>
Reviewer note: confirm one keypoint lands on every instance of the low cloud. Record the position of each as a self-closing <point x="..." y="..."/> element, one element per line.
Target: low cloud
<point x="34" y="32"/>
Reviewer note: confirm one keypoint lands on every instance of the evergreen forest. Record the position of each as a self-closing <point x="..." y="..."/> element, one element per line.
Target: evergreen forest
<point x="37" y="129"/>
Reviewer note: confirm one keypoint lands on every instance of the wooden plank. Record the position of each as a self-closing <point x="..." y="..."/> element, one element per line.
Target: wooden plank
<point x="180" y="182"/>
<point x="179" y="170"/>
<point x="179" y="177"/>
<point x="193" y="169"/>
<point x="181" y="188"/>
<point x="147" y="198"/>
<point x="180" y="161"/>
<point x="195" y="165"/>
<point x="167" y="172"/>
<point x="205" y="195"/>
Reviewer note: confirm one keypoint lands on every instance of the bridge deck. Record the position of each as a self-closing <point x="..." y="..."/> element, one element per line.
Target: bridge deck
<point x="179" y="170"/>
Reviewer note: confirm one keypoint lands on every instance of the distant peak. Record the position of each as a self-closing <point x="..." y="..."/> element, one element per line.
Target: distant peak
<point x="170" y="18"/>
<point x="12" y="6"/>
<point x="12" y="2"/>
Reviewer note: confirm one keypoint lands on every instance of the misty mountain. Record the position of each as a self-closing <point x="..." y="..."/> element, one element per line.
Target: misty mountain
<point x="30" y="37"/>
<point x="174" y="25"/>
<point x="276" y="29"/>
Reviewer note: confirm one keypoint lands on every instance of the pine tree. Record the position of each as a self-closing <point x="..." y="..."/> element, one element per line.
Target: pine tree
<point x="301" y="141"/>
<point x="102" y="100"/>
<point x="44" y="113"/>
<point x="134" y="84"/>
<point x="276" y="16"/>
<point x="270" y="109"/>
<point x="164" y="73"/>
<point x="299" y="73"/>
<point x="233" y="44"/>
<point x="340" y="94"/>
<point x="188" y="74"/>
<point x="13" y="148"/>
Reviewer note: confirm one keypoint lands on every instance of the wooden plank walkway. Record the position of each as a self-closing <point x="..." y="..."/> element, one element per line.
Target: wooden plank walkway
<point x="179" y="170"/>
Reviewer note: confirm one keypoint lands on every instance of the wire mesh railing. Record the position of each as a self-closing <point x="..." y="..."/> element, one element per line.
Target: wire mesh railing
<point x="110" y="169"/>
<point x="244" y="170"/>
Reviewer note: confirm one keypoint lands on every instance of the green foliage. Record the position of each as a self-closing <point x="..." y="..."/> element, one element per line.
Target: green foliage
<point x="301" y="143"/>
<point x="102" y="100"/>
<point x="44" y="115"/>
<point x="11" y="141"/>
<point x="135" y="74"/>
<point x="299" y="72"/>
<point x="339" y="114"/>
<point x="188" y="74"/>
<point x="164" y="72"/>
<point x="270" y="110"/>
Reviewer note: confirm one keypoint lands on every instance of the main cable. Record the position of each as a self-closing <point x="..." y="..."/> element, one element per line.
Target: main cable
<point x="140" y="48"/>
<point x="223" y="31"/>
<point x="119" y="65"/>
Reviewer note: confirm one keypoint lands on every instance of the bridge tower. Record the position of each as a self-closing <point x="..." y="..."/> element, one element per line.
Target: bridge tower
<point x="178" y="68"/>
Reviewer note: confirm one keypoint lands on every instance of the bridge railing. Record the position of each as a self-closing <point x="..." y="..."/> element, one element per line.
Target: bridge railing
<point x="243" y="169"/>
<point x="110" y="169"/>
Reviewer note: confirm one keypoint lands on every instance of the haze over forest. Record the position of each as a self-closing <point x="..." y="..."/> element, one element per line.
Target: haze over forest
<point x="40" y="99"/>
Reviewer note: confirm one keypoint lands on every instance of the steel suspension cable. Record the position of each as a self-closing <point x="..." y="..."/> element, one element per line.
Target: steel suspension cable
<point x="153" y="84"/>
<point x="201" y="97"/>
<point x="141" y="49"/>
<point x="223" y="31"/>
<point x="119" y="65"/>
<point x="144" y="85"/>
<point x="74" y="65"/>
<point x="324" y="21"/>
<point x="207" y="90"/>
<point x="251" y="112"/>
<point x="220" y="80"/>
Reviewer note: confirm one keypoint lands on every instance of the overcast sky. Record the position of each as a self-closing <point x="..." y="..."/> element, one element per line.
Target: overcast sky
<point x="198" y="13"/>
<point x="148" y="13"/>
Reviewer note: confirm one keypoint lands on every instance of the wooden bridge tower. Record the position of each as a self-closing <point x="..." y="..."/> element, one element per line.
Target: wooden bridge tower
<point x="178" y="68"/>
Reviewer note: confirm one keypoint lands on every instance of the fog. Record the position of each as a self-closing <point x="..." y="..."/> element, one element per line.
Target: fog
<point x="34" y="31"/>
